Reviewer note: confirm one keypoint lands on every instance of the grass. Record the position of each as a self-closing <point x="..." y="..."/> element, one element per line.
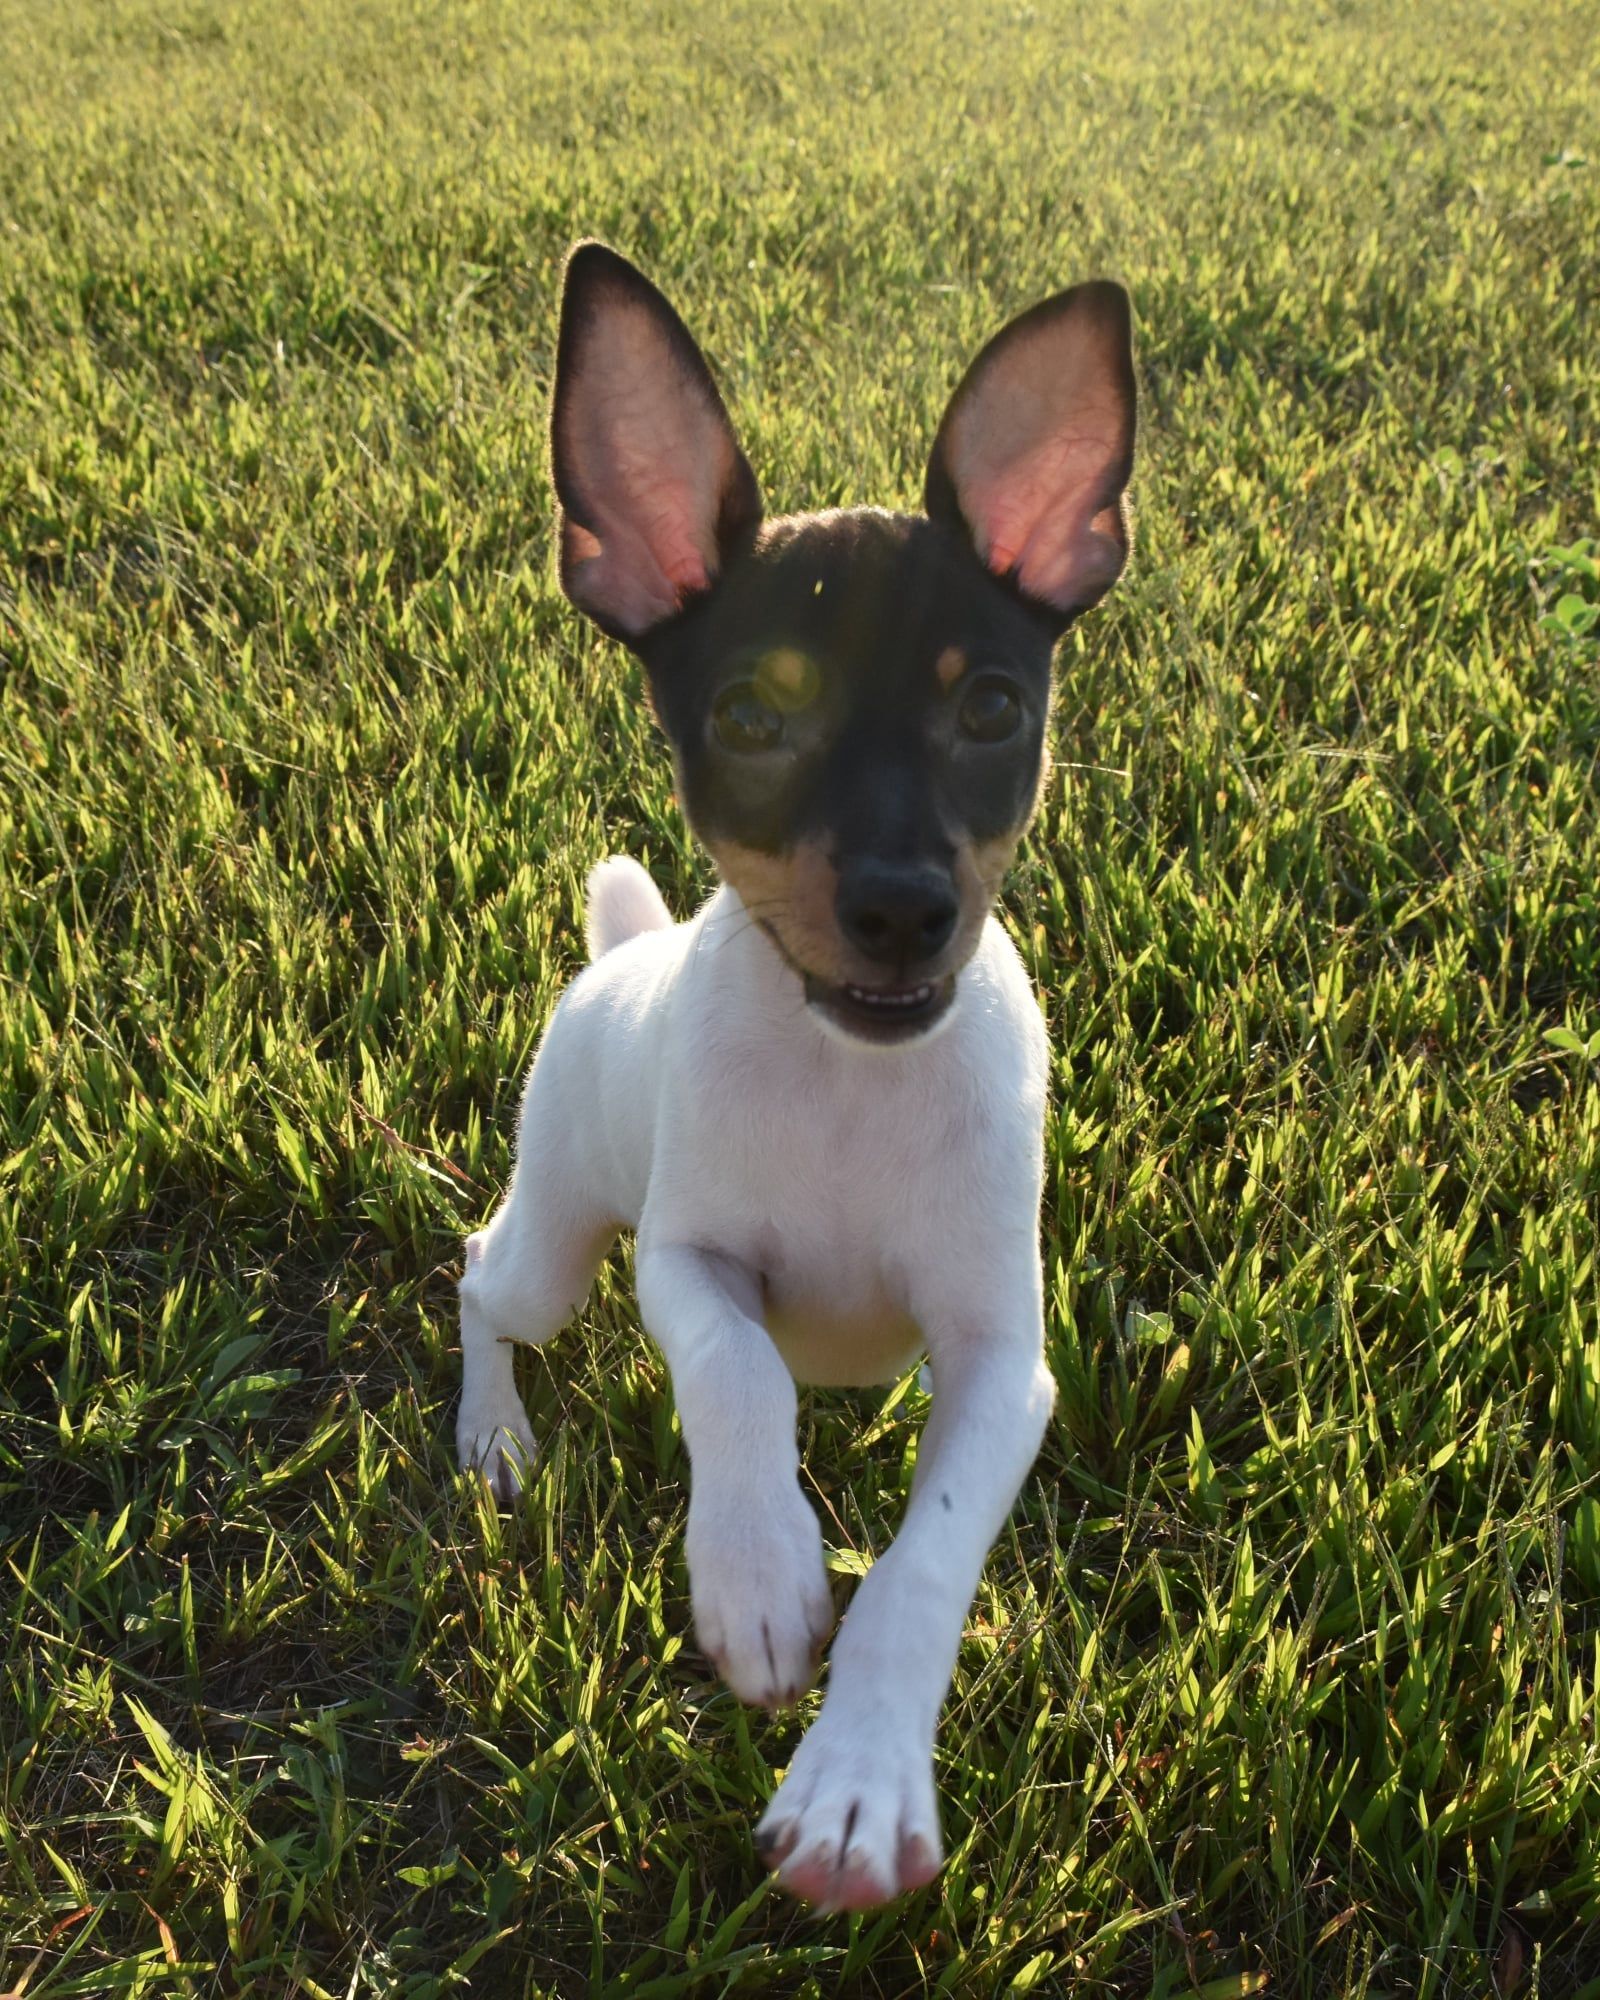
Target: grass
<point x="1285" y="1673"/>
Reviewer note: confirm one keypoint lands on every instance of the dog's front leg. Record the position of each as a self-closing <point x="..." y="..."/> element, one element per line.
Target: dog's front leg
<point x="856" y="1820"/>
<point x="762" y="1608"/>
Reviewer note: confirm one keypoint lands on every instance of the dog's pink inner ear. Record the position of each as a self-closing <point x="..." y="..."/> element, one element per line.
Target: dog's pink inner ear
<point x="1036" y="447"/>
<point x="647" y="466"/>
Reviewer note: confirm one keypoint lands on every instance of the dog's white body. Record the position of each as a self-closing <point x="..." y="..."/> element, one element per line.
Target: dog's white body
<point x="808" y="1208"/>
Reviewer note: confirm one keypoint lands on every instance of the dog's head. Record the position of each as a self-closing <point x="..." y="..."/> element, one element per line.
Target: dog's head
<point x="856" y="700"/>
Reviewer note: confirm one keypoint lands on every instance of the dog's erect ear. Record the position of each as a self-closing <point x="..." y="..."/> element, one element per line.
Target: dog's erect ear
<point x="654" y="489"/>
<point x="1036" y="447"/>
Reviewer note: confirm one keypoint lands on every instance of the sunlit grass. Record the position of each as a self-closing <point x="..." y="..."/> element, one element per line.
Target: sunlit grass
<point x="1286" y="1669"/>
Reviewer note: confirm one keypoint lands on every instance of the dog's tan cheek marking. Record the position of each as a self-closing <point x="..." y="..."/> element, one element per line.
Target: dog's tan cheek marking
<point x="762" y="881"/>
<point x="793" y="893"/>
<point x="950" y="666"/>
<point x="991" y="858"/>
<point x="980" y="869"/>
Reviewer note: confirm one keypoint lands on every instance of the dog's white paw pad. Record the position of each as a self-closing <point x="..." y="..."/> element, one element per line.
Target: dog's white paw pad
<point x="762" y="1606"/>
<point x="499" y="1444"/>
<point x="856" y="1822"/>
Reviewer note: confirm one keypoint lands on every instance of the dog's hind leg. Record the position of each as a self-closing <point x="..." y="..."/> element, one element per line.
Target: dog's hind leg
<point x="526" y="1274"/>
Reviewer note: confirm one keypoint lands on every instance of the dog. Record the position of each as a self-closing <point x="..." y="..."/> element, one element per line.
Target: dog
<point x="819" y="1103"/>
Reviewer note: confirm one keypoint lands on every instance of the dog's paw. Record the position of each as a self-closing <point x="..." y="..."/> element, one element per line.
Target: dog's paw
<point x="856" y="1822"/>
<point x="762" y="1607"/>
<point x="498" y="1442"/>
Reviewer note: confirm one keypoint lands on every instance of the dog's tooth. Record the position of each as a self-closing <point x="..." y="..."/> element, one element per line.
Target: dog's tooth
<point x="904" y="999"/>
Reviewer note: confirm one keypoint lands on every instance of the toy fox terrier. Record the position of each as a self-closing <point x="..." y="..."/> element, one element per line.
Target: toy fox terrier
<point x="820" y="1102"/>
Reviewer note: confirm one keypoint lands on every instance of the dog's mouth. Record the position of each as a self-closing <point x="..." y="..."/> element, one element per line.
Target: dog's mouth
<point x="882" y="1014"/>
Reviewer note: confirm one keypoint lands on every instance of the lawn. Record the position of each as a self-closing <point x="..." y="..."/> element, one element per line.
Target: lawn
<point x="1284" y="1676"/>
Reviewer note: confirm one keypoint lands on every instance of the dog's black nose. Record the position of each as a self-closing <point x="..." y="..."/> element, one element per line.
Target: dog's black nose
<point x="896" y="913"/>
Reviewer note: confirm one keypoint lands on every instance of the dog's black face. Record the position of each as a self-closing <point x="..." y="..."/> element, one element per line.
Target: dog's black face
<point x="857" y="701"/>
<point x="858" y="712"/>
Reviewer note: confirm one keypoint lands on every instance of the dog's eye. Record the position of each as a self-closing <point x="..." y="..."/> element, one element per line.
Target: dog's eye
<point x="744" y="722"/>
<point x="990" y="710"/>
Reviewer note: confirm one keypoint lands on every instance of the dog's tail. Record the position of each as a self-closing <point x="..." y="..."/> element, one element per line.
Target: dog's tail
<point x="622" y="902"/>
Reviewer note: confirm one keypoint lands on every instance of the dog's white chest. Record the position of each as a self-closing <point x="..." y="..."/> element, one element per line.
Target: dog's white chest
<point x="825" y="1185"/>
<point x="829" y="1250"/>
<point x="837" y="1344"/>
<point x="846" y="1183"/>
